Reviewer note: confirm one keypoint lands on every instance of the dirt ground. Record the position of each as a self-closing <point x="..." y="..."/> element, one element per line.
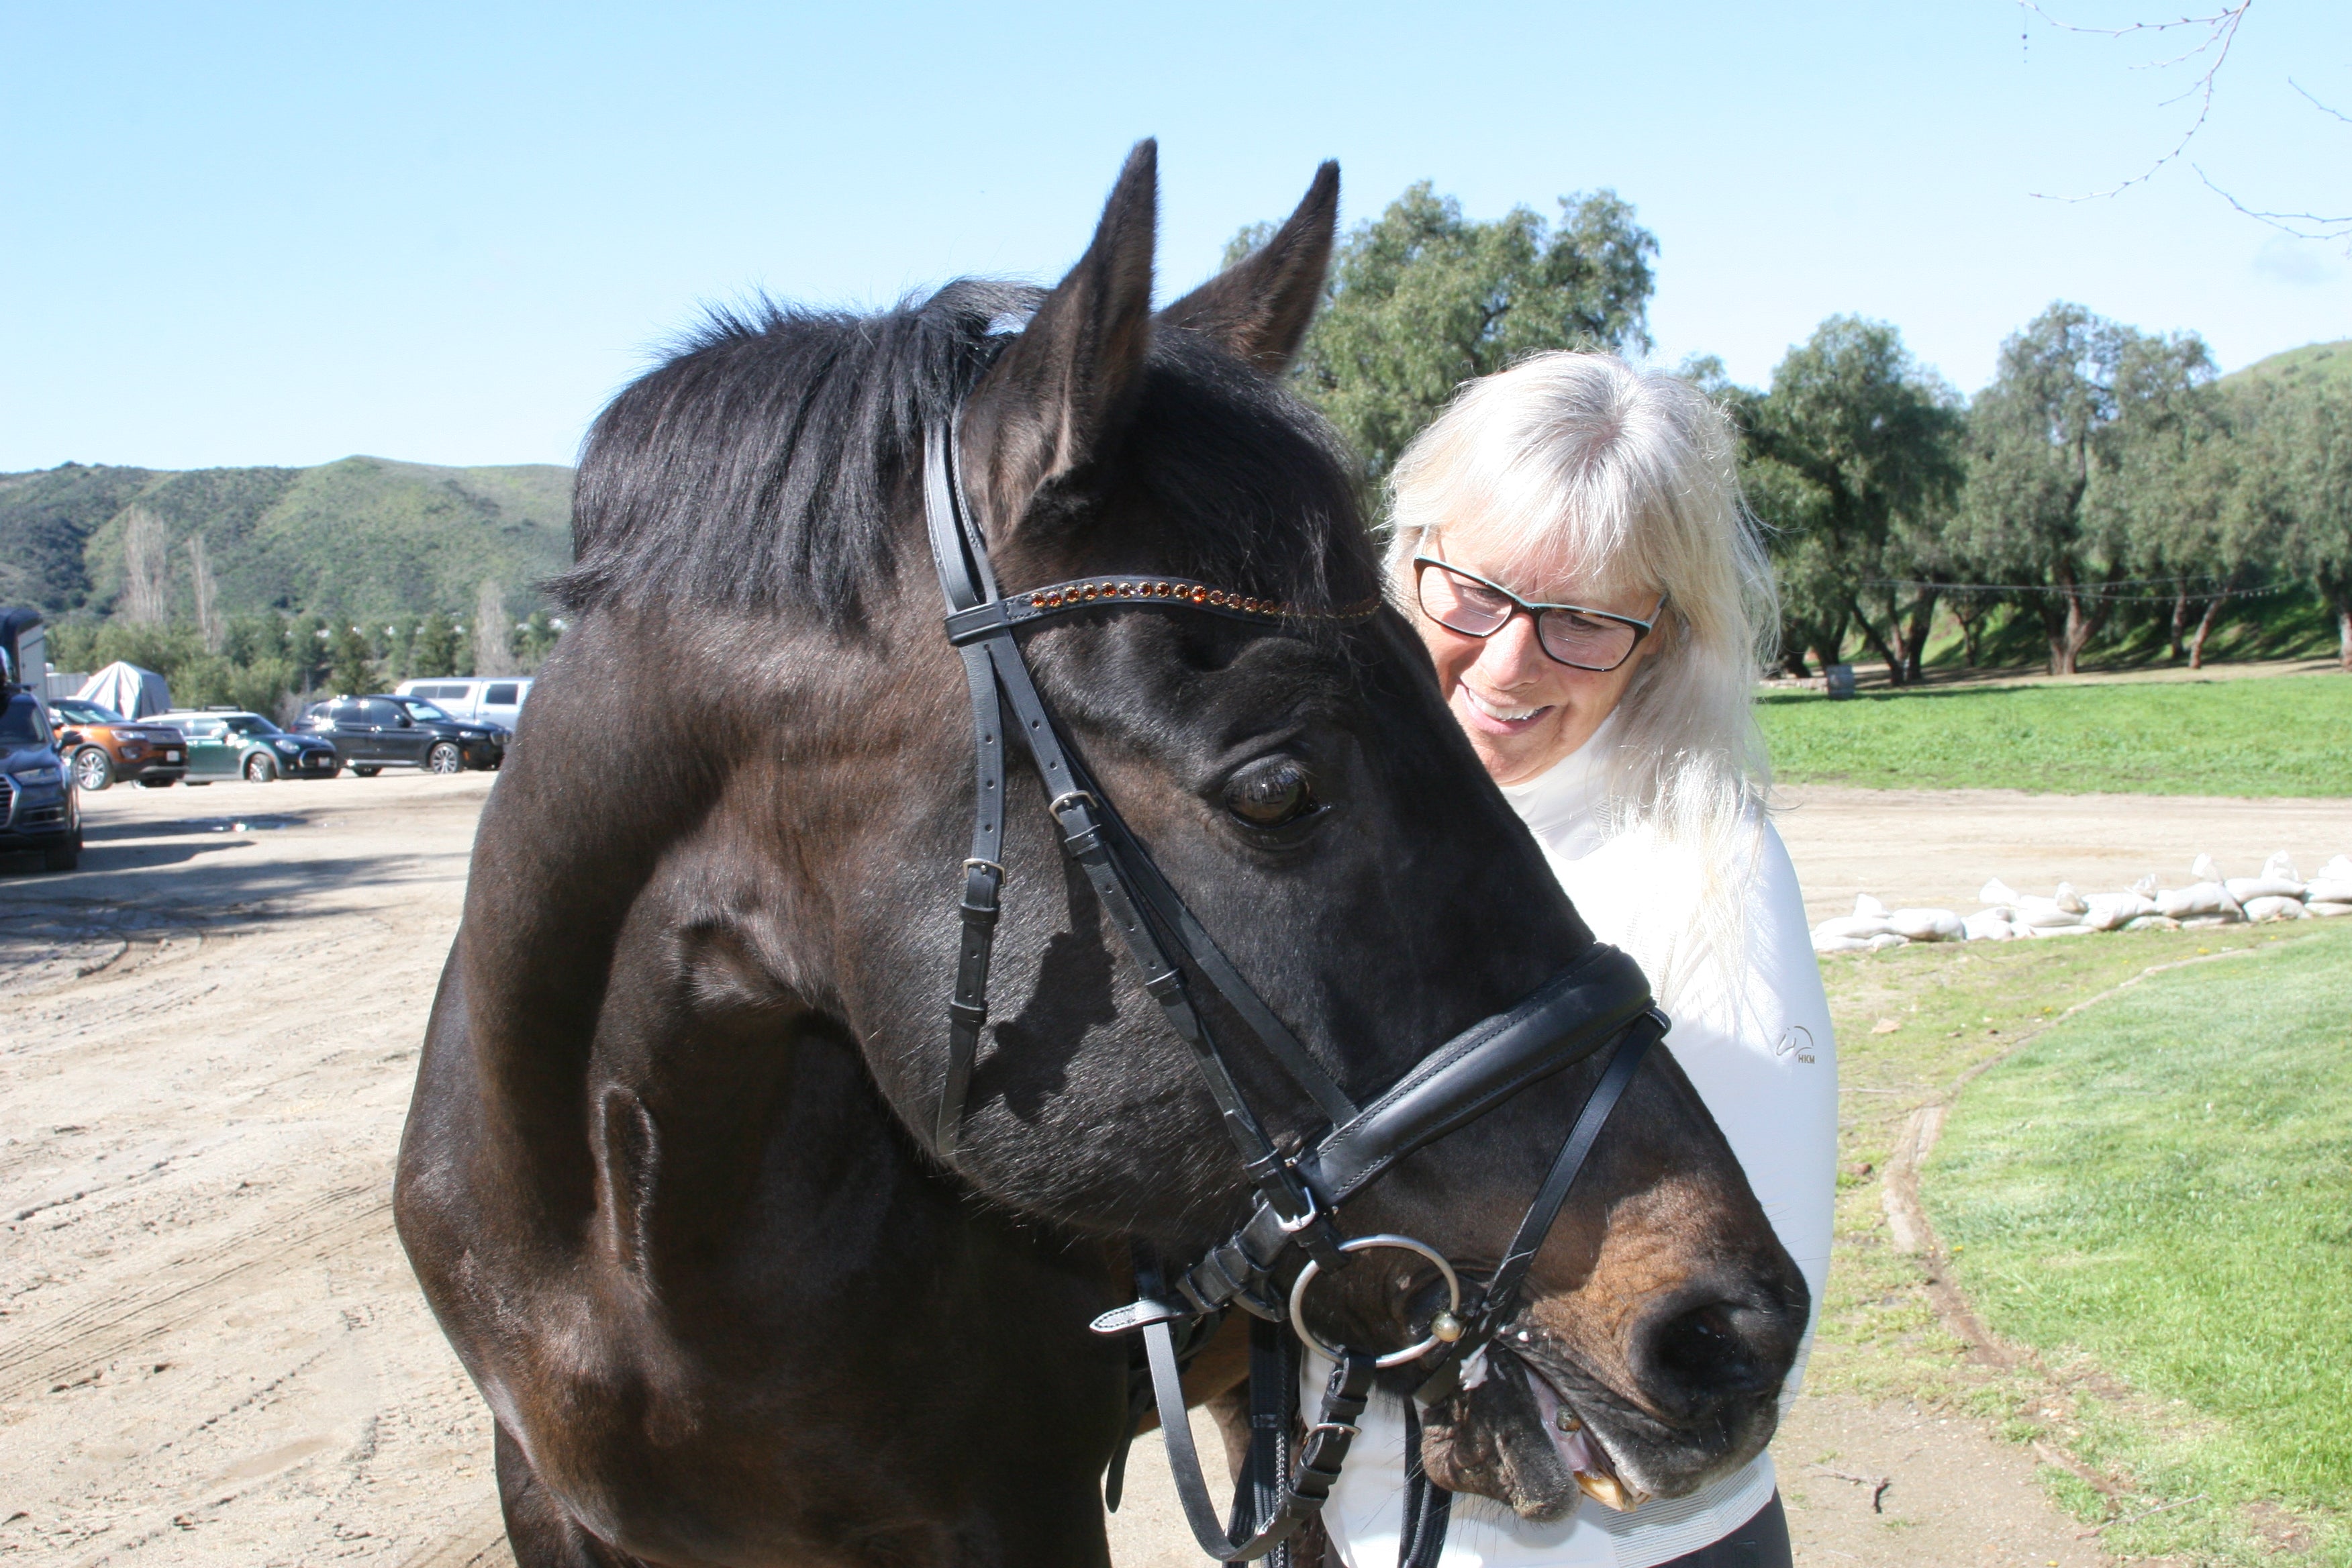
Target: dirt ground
<point x="1938" y="847"/>
<point x="210" y="1348"/>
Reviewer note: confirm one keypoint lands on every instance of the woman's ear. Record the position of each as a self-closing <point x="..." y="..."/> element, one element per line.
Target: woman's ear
<point x="1059" y="399"/>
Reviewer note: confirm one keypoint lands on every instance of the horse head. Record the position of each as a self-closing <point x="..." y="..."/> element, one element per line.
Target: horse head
<point x="681" y="1093"/>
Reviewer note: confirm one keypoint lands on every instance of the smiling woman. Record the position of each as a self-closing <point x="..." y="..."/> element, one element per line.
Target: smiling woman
<point x="1569" y="542"/>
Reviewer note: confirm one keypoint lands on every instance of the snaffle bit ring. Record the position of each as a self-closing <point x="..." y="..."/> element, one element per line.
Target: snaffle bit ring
<point x="1365" y="1244"/>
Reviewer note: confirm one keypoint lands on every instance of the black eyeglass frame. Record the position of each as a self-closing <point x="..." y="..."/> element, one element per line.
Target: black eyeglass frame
<point x="1534" y="612"/>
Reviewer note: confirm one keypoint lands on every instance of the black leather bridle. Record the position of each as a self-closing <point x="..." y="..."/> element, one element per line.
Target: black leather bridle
<point x="1600" y="1002"/>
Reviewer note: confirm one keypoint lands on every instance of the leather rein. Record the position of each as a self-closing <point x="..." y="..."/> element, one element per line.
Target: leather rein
<point x="1601" y="1002"/>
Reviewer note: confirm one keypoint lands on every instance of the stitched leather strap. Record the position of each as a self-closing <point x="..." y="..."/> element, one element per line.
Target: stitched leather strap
<point x="1313" y="1471"/>
<point x="1421" y="1538"/>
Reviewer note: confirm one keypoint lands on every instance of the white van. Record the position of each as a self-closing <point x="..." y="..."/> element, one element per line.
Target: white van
<point x="494" y="699"/>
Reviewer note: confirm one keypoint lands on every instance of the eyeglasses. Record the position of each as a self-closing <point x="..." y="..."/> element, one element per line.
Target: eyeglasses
<point x="1573" y="635"/>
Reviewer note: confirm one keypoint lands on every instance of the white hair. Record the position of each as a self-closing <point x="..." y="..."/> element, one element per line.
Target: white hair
<point x="1579" y="466"/>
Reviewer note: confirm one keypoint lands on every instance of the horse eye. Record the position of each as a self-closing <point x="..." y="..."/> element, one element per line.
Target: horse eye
<point x="1271" y="795"/>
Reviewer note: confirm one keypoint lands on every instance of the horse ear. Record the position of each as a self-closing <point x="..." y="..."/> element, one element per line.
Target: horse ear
<point x="1060" y="397"/>
<point x="1259" y="308"/>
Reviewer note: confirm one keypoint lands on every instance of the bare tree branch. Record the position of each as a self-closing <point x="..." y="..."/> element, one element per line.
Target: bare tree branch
<point x="2221" y="32"/>
<point x="2327" y="227"/>
<point x="2323" y="107"/>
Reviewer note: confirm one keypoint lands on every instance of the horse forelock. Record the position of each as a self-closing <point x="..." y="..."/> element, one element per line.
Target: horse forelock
<point x="771" y="462"/>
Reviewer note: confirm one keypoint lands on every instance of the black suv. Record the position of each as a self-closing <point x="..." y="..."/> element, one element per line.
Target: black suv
<point x="372" y="733"/>
<point x="38" y="809"/>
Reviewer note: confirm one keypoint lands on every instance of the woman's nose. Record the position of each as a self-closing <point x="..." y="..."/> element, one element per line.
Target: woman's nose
<point x="1513" y="656"/>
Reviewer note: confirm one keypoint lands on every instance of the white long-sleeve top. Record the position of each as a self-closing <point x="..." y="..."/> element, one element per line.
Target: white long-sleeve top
<point x="1751" y="1028"/>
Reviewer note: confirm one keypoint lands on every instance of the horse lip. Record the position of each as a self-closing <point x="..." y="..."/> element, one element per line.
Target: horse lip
<point x="1583" y="1451"/>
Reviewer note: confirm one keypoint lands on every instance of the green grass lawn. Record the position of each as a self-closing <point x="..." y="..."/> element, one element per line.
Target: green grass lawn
<point x="2163" y="1186"/>
<point x="2182" y="1343"/>
<point x="2290" y="735"/>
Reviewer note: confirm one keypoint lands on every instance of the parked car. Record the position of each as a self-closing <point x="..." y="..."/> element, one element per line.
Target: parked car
<point x="101" y="746"/>
<point x="372" y="733"/>
<point x="482" y="699"/>
<point x="229" y="743"/>
<point x="39" y="809"/>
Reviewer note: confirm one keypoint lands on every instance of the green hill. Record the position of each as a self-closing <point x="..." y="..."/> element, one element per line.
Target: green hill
<point x="365" y="536"/>
<point x="2324" y="363"/>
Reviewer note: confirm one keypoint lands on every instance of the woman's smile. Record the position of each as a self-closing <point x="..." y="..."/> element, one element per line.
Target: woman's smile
<point x="1494" y="715"/>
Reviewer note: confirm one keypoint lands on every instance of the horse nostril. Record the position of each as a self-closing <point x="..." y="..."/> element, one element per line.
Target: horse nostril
<point x="1717" y="1350"/>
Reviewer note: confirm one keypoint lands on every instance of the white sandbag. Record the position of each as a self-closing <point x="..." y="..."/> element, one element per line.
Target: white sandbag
<point x="2328" y="890"/>
<point x="2153" y="922"/>
<point x="1863" y="927"/>
<point x="2201" y="923"/>
<point x="1886" y="940"/>
<point x="2044" y="914"/>
<point x="2280" y="867"/>
<point x="2339" y="869"/>
<point x="2277" y="908"/>
<point x="1988" y="925"/>
<point x="2202" y="869"/>
<point x="1841" y="943"/>
<point x="1926" y="925"/>
<point x="1996" y="893"/>
<point x="2068" y="899"/>
<point x="2113" y="911"/>
<point x="2077" y="929"/>
<point x="2328" y="910"/>
<point x="2146" y="886"/>
<point x="2246" y="889"/>
<point x="1867" y="908"/>
<point x="2190" y="902"/>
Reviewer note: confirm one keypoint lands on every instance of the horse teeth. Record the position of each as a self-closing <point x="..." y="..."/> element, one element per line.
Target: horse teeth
<point x="1608" y="1491"/>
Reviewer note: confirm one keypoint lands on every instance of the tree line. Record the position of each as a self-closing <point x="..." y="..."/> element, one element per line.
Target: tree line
<point x="2104" y="488"/>
<point x="271" y="663"/>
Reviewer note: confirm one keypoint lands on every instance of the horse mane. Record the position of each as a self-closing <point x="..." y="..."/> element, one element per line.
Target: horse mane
<point x="764" y="465"/>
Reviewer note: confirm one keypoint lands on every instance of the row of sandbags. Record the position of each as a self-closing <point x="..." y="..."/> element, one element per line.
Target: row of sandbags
<point x="2209" y="899"/>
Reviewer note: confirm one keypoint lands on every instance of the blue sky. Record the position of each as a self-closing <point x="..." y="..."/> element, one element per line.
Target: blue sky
<point x="248" y="234"/>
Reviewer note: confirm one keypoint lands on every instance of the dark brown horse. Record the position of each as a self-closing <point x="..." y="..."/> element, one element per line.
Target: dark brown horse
<point x="667" y="1178"/>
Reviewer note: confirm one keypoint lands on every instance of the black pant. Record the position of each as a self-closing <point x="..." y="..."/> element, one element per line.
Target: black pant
<point x="1762" y="1542"/>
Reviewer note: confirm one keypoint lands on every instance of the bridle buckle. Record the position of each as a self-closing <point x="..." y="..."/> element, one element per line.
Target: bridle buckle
<point x="1294" y="1225"/>
<point x="1072" y="797"/>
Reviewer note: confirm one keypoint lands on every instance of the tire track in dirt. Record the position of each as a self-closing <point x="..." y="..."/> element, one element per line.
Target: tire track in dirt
<point x="110" y="1329"/>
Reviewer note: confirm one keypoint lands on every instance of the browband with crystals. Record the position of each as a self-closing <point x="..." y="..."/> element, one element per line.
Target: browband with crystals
<point x="1085" y="593"/>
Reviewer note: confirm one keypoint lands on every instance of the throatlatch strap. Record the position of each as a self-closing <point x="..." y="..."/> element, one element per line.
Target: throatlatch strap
<point x="983" y="877"/>
<point x="965" y="580"/>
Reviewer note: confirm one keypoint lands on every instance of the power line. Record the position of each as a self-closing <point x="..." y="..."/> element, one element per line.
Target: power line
<point x="2174" y="589"/>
